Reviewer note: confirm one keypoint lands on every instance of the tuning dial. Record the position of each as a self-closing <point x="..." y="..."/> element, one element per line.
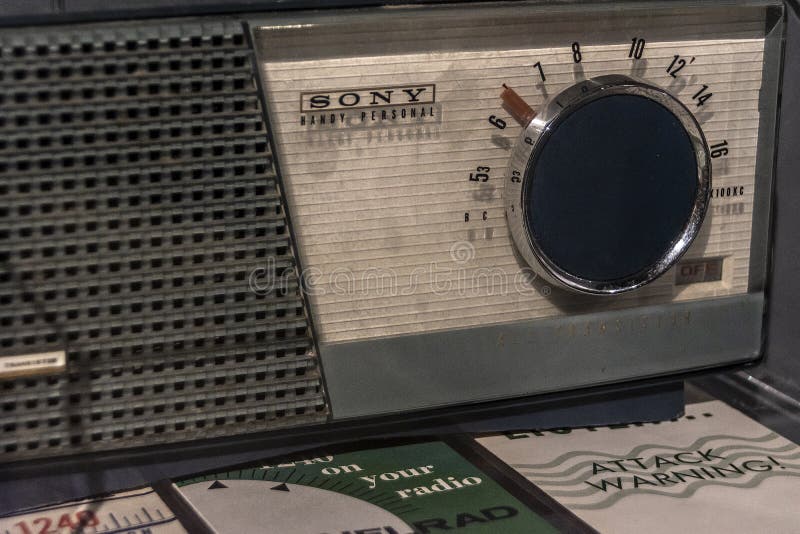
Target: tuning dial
<point x="607" y="185"/>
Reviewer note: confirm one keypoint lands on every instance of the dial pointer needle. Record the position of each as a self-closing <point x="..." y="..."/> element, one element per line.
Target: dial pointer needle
<point x="516" y="106"/>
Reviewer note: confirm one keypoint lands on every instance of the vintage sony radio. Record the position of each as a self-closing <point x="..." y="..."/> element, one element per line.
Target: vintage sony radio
<point x="237" y="223"/>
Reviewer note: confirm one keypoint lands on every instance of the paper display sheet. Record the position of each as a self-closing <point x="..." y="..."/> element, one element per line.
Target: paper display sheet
<point x="712" y="471"/>
<point x="133" y="512"/>
<point x="426" y="487"/>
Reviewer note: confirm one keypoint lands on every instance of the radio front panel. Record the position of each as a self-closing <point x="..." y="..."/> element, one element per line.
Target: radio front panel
<point x="237" y="224"/>
<point x="394" y="162"/>
<point x="397" y="155"/>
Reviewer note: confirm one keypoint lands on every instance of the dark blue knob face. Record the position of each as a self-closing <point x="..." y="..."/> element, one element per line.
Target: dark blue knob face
<point x="610" y="187"/>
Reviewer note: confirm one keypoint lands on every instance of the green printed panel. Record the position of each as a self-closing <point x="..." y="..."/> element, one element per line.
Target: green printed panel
<point x="423" y="488"/>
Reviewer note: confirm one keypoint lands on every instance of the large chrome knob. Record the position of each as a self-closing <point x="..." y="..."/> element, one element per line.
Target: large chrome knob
<point x="608" y="185"/>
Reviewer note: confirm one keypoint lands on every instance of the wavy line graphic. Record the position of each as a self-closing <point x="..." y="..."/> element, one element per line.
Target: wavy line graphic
<point x="584" y="490"/>
<point x="542" y="480"/>
<point x="688" y="492"/>
<point x="560" y="460"/>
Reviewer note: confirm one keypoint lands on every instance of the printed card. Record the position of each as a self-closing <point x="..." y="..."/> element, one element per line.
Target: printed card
<point x="712" y="471"/>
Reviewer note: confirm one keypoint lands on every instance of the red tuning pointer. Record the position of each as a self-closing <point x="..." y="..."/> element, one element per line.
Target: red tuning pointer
<point x="516" y="107"/>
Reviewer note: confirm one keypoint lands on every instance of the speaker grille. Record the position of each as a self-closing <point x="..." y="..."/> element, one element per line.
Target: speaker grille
<point x="137" y="198"/>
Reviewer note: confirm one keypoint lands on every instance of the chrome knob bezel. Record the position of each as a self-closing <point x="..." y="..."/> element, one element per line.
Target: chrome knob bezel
<point x="532" y="139"/>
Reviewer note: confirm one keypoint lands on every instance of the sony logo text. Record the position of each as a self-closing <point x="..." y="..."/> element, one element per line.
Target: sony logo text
<point x="369" y="97"/>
